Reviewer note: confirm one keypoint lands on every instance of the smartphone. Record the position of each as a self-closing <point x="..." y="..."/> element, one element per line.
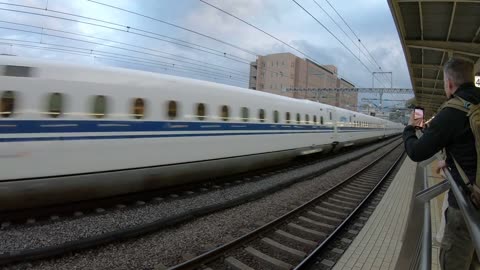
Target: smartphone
<point x="419" y="114"/>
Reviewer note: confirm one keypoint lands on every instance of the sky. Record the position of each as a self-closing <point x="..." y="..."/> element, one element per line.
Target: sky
<point x="192" y="39"/>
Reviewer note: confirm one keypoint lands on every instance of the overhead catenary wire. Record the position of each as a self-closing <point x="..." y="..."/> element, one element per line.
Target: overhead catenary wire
<point x="331" y="33"/>
<point x="98" y="44"/>
<point x="181" y="27"/>
<point x="176" y="26"/>
<point x="175" y="69"/>
<point x="359" y="40"/>
<point x="95" y="55"/>
<point x="111" y="28"/>
<point x="257" y="28"/>
<point x="122" y="27"/>
<point x="88" y="50"/>
<point x="348" y="36"/>
<point x="283" y="42"/>
<point x="205" y="64"/>
<point x="91" y="52"/>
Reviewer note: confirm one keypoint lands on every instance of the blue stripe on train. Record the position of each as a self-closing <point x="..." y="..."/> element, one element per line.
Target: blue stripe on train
<point x="71" y="126"/>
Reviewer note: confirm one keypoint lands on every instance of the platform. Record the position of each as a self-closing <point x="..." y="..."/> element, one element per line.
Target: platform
<point x="378" y="244"/>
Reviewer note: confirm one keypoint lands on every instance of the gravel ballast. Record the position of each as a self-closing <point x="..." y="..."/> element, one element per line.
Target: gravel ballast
<point x="172" y="246"/>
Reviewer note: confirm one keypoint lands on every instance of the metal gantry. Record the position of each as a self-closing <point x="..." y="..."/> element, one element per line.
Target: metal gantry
<point x="352" y="90"/>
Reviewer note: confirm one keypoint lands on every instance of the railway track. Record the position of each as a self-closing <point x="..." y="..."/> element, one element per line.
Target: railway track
<point x="136" y="231"/>
<point x="295" y="239"/>
<point x="57" y="213"/>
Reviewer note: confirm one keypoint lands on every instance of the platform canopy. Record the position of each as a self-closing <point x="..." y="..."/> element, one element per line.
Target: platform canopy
<point x="431" y="31"/>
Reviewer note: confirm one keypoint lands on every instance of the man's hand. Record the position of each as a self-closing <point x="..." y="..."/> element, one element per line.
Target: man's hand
<point x="440" y="165"/>
<point x="415" y="122"/>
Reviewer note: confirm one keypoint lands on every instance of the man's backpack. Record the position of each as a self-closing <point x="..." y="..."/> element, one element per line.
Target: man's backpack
<point x="473" y="114"/>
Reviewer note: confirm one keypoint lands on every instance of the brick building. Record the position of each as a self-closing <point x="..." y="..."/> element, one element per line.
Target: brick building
<point x="275" y="72"/>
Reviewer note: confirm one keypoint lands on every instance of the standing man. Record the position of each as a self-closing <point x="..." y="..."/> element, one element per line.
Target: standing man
<point x="450" y="129"/>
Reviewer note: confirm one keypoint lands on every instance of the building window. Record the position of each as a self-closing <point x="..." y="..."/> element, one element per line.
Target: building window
<point x="55" y="105"/>
<point x="287" y="117"/>
<point x="138" y="108"/>
<point x="314" y="119"/>
<point x="298" y="118"/>
<point x="171" y="109"/>
<point x="261" y="115"/>
<point x="321" y="120"/>
<point x="307" y="119"/>
<point x="7" y="104"/>
<point x="225" y="113"/>
<point x="283" y="63"/>
<point x="201" y="111"/>
<point x="292" y="64"/>
<point x="276" y="117"/>
<point x="277" y="63"/>
<point x="330" y="115"/>
<point x="244" y="114"/>
<point x="99" y="106"/>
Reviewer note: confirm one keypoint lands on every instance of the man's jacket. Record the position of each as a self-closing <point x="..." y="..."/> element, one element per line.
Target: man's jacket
<point x="450" y="129"/>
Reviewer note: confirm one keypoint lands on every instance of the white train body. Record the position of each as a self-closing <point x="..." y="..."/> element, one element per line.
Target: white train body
<point x="53" y="146"/>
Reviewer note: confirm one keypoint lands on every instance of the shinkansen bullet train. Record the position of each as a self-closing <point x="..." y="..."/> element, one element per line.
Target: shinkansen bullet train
<point x="70" y="133"/>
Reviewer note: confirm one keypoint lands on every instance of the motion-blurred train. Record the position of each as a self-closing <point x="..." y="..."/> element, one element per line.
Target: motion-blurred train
<point x="70" y="133"/>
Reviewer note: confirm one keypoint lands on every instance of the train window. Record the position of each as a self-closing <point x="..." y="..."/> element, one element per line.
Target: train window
<point x="99" y="106"/>
<point x="321" y="120"/>
<point x="225" y="113"/>
<point x="287" y="117"/>
<point x="314" y="119"/>
<point x="7" y="104"/>
<point x="172" y="109"/>
<point x="261" y="115"/>
<point x="307" y="119"/>
<point x="201" y="111"/>
<point x="17" y="71"/>
<point x="138" y="108"/>
<point x="55" y="105"/>
<point x="298" y="118"/>
<point x="276" y="116"/>
<point x="244" y="114"/>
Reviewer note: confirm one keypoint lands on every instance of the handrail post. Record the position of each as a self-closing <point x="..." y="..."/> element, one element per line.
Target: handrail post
<point x="426" y="249"/>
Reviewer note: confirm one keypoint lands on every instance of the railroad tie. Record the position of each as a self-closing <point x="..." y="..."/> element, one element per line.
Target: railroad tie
<point x="328" y="212"/>
<point x="321" y="225"/>
<point x="306" y="232"/>
<point x="323" y="218"/>
<point x="284" y="250"/>
<point x="336" y="207"/>
<point x="295" y="239"/>
<point x="267" y="260"/>
<point x="236" y="264"/>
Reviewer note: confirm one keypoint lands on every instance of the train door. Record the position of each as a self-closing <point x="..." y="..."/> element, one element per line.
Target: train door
<point x="332" y="122"/>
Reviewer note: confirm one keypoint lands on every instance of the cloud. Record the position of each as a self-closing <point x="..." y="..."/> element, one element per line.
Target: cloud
<point x="371" y="20"/>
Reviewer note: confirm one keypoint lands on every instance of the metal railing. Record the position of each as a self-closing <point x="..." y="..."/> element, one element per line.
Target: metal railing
<point x="423" y="247"/>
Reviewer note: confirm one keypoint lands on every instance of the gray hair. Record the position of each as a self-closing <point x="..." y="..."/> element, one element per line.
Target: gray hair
<point x="459" y="71"/>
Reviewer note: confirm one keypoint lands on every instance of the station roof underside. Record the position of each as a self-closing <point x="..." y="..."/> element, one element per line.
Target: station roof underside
<point x="432" y="31"/>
